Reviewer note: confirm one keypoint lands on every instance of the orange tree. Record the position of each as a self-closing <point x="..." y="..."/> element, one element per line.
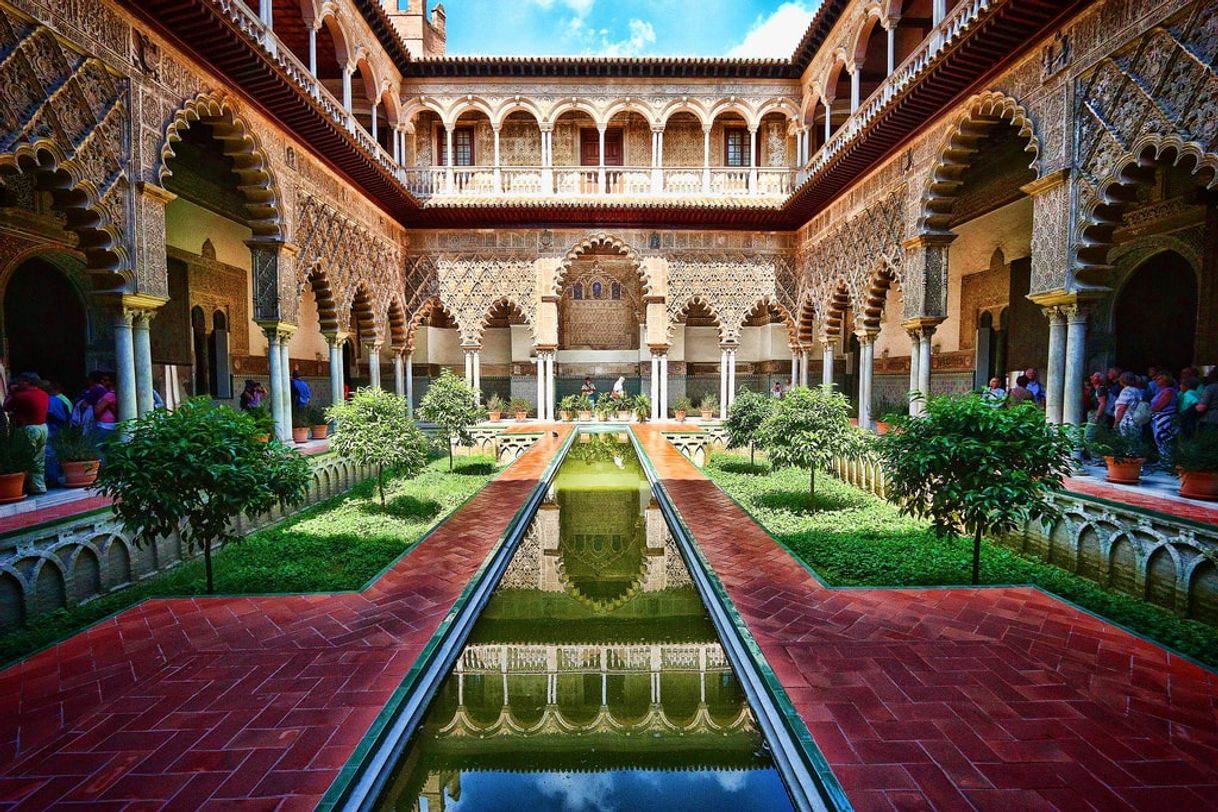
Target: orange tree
<point x="968" y="465"/>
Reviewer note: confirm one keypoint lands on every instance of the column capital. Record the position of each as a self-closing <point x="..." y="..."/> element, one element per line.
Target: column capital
<point x="336" y="338"/>
<point x="281" y="330"/>
<point x="927" y="324"/>
<point x="471" y="347"/>
<point x="866" y="335"/>
<point x="1076" y="312"/>
<point x="140" y="305"/>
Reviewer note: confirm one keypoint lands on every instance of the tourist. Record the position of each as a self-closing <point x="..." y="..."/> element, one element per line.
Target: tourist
<point x="995" y="394"/>
<point x="1207" y="404"/>
<point x="1034" y="386"/>
<point x="1152" y="383"/>
<point x="619" y="389"/>
<point x="776" y="390"/>
<point x="26" y="406"/>
<point x="105" y="411"/>
<point x="1113" y="376"/>
<point x="59" y="417"/>
<point x="1095" y="399"/>
<point x="1163" y="416"/>
<point x="252" y="395"/>
<point x="1186" y="405"/>
<point x="1020" y="393"/>
<point x="301" y="393"/>
<point x="1128" y="417"/>
<point x="588" y="390"/>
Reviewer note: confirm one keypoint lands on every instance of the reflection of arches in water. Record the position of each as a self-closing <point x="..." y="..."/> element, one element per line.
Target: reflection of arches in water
<point x="1155" y="318"/>
<point x="602" y="546"/>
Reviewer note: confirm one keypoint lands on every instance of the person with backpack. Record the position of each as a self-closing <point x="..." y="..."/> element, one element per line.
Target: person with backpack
<point x="1132" y="410"/>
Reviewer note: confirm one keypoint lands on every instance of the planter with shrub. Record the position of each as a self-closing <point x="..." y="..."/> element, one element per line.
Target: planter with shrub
<point x="583" y="405"/>
<point x="1123" y="451"/>
<point x="568" y="406"/>
<point x="642" y="408"/>
<point x="708" y="406"/>
<point x="317" y="422"/>
<point x="77" y="455"/>
<point x="494" y="408"/>
<point x="16" y="461"/>
<point x="681" y="407"/>
<point x="520" y="407"/>
<point x="300" y="426"/>
<point x="264" y="422"/>
<point x="1196" y="460"/>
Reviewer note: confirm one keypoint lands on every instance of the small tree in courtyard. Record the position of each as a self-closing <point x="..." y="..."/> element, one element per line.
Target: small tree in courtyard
<point x="807" y="429"/>
<point x="744" y="418"/>
<point x="193" y="471"/>
<point x="374" y="427"/>
<point x="967" y="466"/>
<point x="450" y="403"/>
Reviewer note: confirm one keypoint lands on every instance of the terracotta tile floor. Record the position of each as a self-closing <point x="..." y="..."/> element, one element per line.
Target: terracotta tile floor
<point x="1001" y="698"/>
<point x="224" y="702"/>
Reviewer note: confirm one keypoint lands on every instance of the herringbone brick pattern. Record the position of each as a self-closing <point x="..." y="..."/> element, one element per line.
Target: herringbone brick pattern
<point x="991" y="698"/>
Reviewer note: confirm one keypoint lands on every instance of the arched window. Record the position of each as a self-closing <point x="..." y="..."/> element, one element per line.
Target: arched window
<point x="577" y="291"/>
<point x="596" y="290"/>
<point x="616" y="291"/>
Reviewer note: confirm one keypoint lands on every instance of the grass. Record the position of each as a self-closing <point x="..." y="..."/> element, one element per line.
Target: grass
<point x="856" y="539"/>
<point x="336" y="545"/>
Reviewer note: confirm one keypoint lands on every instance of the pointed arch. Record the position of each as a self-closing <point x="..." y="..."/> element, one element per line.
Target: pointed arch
<point x="397" y="325"/>
<point x="770" y="303"/>
<point x="362" y="312"/>
<point x="512" y="306"/>
<point x="318" y="281"/>
<point x="600" y="241"/>
<point x="424" y="313"/>
<point x="870" y="314"/>
<point x="982" y="113"/>
<point x="679" y="314"/>
<point x="256" y="181"/>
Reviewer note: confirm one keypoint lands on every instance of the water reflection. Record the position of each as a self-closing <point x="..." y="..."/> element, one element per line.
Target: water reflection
<point x="593" y="679"/>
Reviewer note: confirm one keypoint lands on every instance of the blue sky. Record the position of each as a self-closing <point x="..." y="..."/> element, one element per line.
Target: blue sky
<point x="755" y="28"/>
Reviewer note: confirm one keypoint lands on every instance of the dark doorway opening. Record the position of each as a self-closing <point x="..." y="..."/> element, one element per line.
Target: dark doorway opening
<point x="45" y="327"/>
<point x="1156" y="315"/>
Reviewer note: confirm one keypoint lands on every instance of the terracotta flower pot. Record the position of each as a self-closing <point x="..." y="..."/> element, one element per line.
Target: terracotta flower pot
<point x="1199" y="485"/>
<point x="262" y="438"/>
<point x="854" y="421"/>
<point x="585" y="415"/>
<point x="300" y="435"/>
<point x="881" y="427"/>
<point x="1124" y="472"/>
<point x="566" y="416"/>
<point x="494" y="417"/>
<point x="707" y="414"/>
<point x="80" y="474"/>
<point x="521" y="417"/>
<point x="320" y="432"/>
<point x="12" y="487"/>
<point x="623" y="415"/>
<point x="680" y="415"/>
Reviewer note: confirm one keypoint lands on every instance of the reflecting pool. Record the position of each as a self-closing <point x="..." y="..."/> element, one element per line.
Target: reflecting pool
<point x="593" y="678"/>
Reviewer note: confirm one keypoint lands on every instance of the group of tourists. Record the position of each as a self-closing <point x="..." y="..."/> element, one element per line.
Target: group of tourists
<point x="40" y="410"/>
<point x="1159" y="405"/>
<point x="616" y="393"/>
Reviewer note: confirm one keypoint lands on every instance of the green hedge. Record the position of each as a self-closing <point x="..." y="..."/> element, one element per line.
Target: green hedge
<point x="336" y="545"/>
<point x="856" y="539"/>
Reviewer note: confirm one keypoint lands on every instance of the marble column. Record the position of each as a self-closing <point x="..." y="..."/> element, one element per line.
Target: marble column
<point x="142" y="341"/>
<point x="795" y="357"/>
<point x="539" y="366"/>
<point x="664" y="385"/>
<point x="410" y="382"/>
<point x="706" y="151"/>
<point x="336" y="367"/>
<point x="497" y="177"/>
<point x="826" y="377"/>
<point x="374" y="365"/>
<point x="1055" y="371"/>
<point x="477" y="375"/>
<point x="915" y="353"/>
<point x="399" y="375"/>
<point x="282" y="417"/>
<point x="469" y="368"/>
<point x="285" y="372"/>
<point x="866" y="372"/>
<point x="723" y="386"/>
<point x="550" y="397"/>
<point x="803" y="368"/>
<point x="1076" y="364"/>
<point x="124" y="362"/>
<point x="731" y="376"/>
<point x="655" y="385"/>
<point x="925" y="363"/>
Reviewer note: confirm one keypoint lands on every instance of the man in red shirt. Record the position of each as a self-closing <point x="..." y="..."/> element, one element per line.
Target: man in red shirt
<point x="27" y="408"/>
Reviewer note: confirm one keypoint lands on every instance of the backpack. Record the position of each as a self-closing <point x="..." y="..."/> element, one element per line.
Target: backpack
<point x="82" y="415"/>
<point x="1141" y="413"/>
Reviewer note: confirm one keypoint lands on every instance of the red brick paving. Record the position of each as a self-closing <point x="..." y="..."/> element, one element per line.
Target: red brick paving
<point x="995" y="698"/>
<point x="1194" y="510"/>
<point x="228" y="702"/>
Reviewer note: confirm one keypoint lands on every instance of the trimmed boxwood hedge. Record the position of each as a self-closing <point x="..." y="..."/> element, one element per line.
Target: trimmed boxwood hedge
<point x="856" y="539"/>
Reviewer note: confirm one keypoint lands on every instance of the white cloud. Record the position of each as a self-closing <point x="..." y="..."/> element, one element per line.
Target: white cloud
<point x="576" y="791"/>
<point x="642" y="35"/>
<point x="778" y="34"/>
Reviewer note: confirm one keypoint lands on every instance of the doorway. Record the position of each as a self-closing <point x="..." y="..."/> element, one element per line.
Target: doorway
<point x="45" y="327"/>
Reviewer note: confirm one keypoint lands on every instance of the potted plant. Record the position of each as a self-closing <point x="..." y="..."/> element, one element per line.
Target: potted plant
<point x="681" y="407"/>
<point x="300" y="426"/>
<point x="568" y="406"/>
<point x="624" y="405"/>
<point x="1196" y="460"/>
<point x="520" y="407"/>
<point x="885" y="407"/>
<point x="263" y="421"/>
<point x="584" y="407"/>
<point x="77" y="455"/>
<point x="604" y="409"/>
<point x="494" y="408"/>
<point x="317" y="422"/>
<point x="708" y="406"/>
<point x="1123" y="451"/>
<point x="642" y="408"/>
<point x="16" y="461"/>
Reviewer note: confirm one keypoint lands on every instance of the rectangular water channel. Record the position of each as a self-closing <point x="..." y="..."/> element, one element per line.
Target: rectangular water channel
<point x="593" y="678"/>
